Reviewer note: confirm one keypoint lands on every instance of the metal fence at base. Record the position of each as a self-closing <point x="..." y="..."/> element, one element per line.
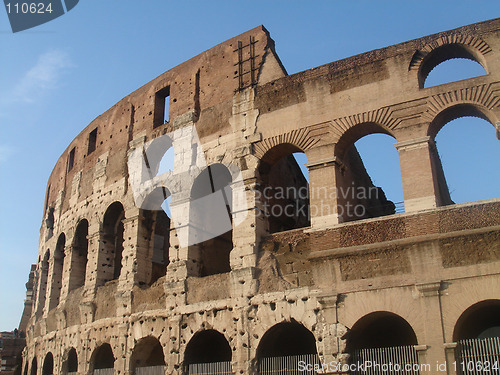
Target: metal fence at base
<point x="383" y="361"/>
<point x="478" y="356"/>
<point x="214" y="368"/>
<point x="104" y="371"/>
<point x="289" y="365"/>
<point x="150" y="370"/>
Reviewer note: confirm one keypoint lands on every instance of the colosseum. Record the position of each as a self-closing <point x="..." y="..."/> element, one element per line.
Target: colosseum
<point x="254" y="268"/>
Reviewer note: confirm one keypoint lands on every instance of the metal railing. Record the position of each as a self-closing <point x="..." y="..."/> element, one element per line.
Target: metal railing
<point x="104" y="371"/>
<point x="72" y="373"/>
<point x="399" y="207"/>
<point x="214" y="368"/>
<point x="478" y="356"/>
<point x="289" y="365"/>
<point x="150" y="370"/>
<point x="381" y="360"/>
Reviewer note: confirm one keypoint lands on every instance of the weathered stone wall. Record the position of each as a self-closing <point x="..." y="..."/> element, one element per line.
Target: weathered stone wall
<point x="428" y="265"/>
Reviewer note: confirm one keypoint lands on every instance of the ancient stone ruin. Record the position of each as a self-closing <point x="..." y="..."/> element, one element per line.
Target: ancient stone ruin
<point x="306" y="274"/>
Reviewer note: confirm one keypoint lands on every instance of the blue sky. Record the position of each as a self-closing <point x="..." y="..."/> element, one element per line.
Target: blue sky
<point x="56" y="78"/>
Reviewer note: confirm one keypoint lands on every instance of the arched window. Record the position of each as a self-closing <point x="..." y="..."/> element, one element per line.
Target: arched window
<point x="210" y="221"/>
<point x="283" y="346"/>
<point x="48" y="365"/>
<point x="284" y="190"/>
<point x="443" y="55"/>
<point x="102" y="360"/>
<point x="57" y="271"/>
<point x="466" y="154"/>
<point x="148" y="357"/>
<point x="112" y="243"/>
<point x="208" y="352"/>
<point x="382" y="337"/>
<point x="79" y="255"/>
<point x="359" y="194"/>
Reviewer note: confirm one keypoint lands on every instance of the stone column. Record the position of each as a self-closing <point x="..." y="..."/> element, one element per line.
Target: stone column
<point x="323" y="197"/>
<point x="424" y="186"/>
<point x="66" y="271"/>
<point x="136" y="257"/>
<point x="93" y="278"/>
<point x="433" y="331"/>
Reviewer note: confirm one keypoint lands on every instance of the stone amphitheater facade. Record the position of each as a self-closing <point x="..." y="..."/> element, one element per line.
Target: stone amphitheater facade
<point x="116" y="289"/>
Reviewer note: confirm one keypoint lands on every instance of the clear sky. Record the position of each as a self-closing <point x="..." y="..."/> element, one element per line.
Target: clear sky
<point x="56" y="78"/>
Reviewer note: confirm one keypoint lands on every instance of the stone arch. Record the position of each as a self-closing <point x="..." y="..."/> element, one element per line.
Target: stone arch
<point x="102" y="357"/>
<point x="112" y="243"/>
<point x="358" y="197"/>
<point x="445" y="48"/>
<point x="57" y="271"/>
<point x="48" y="364"/>
<point x="148" y="351"/>
<point x="356" y="131"/>
<point x="380" y="329"/>
<point x="155" y="152"/>
<point x="211" y="221"/>
<point x="441" y="119"/>
<point x="457" y="110"/>
<point x="288" y="338"/>
<point x="284" y="190"/>
<point x="207" y="346"/>
<point x="70" y="362"/>
<point x="79" y="256"/>
<point x="480" y="320"/>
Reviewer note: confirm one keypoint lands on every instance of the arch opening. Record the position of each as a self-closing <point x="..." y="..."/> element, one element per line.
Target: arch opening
<point x="382" y="337"/>
<point x="286" y="339"/>
<point x="160" y="155"/>
<point x="148" y="352"/>
<point x="284" y="189"/>
<point x="481" y="320"/>
<point x="48" y="364"/>
<point x="79" y="255"/>
<point x="473" y="174"/>
<point x="477" y="333"/>
<point x="70" y="364"/>
<point x="363" y="148"/>
<point x="34" y="367"/>
<point x="57" y="271"/>
<point x="112" y="244"/>
<point x="380" y="330"/>
<point x="205" y="348"/>
<point x="210" y="221"/>
<point x="102" y="358"/>
<point x="446" y="53"/>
